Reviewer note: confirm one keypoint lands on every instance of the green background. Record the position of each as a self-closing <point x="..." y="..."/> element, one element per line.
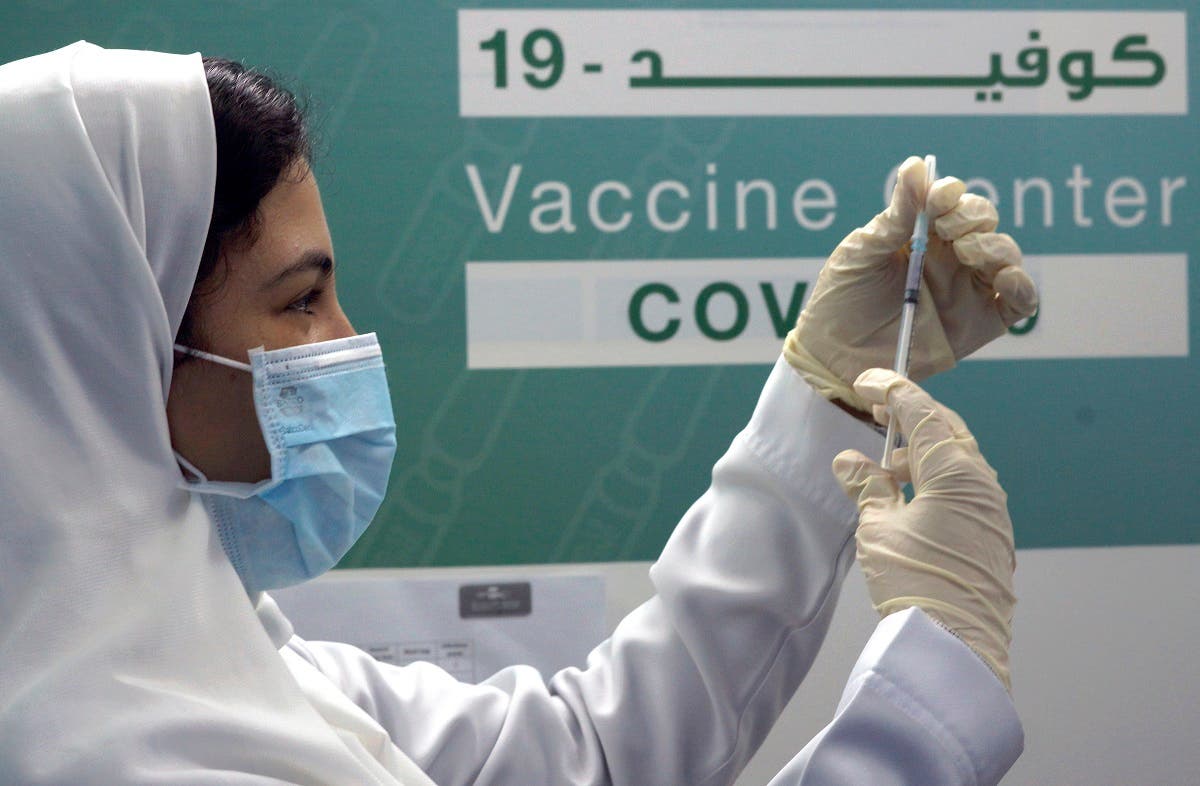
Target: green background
<point x="584" y="465"/>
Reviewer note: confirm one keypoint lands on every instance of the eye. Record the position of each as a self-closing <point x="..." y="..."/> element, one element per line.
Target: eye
<point x="304" y="304"/>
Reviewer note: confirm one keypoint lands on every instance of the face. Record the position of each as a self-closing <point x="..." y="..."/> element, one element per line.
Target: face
<point x="277" y="292"/>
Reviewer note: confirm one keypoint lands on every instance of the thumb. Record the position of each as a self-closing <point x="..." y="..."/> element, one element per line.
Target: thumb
<point x="868" y="485"/>
<point x="871" y="246"/>
<point x="908" y="199"/>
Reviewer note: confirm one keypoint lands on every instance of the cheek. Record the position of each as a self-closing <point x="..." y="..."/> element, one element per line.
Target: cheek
<point x="214" y="424"/>
<point x="235" y="394"/>
<point x="215" y="394"/>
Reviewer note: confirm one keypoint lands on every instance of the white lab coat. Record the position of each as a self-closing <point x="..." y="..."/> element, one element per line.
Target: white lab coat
<point x="690" y="683"/>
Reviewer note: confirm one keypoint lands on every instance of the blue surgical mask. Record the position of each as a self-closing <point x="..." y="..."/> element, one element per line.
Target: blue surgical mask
<point x="326" y="417"/>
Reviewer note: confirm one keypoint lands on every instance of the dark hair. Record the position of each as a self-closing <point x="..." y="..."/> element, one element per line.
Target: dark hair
<point x="261" y="136"/>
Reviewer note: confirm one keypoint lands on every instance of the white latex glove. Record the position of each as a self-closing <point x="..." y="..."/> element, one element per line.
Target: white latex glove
<point x="950" y="550"/>
<point x="972" y="290"/>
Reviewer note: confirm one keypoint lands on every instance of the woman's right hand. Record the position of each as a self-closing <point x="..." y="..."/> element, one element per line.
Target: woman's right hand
<point x="950" y="550"/>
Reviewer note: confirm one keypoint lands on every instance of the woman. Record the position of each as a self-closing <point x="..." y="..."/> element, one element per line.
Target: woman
<point x="148" y="258"/>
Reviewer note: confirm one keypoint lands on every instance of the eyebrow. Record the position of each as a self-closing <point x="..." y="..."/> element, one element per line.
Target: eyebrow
<point x="309" y="261"/>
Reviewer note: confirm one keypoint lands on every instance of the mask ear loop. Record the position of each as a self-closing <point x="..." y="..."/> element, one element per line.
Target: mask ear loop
<point x="240" y="366"/>
<point x="190" y="470"/>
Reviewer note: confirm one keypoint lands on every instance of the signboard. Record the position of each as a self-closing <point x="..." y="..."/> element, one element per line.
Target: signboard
<point x="581" y="233"/>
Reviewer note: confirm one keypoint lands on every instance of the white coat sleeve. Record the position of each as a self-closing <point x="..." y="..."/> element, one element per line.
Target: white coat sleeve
<point x="690" y="682"/>
<point x="920" y="709"/>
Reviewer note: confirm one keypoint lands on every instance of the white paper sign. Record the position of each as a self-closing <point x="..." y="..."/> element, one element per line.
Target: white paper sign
<point x="402" y="621"/>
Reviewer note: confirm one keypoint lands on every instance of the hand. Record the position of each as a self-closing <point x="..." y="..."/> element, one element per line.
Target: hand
<point x="950" y="550"/>
<point x="972" y="290"/>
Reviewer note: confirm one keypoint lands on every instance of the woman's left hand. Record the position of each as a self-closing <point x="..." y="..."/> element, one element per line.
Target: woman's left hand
<point x="972" y="290"/>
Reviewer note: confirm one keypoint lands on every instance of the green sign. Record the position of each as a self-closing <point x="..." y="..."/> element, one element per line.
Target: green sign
<point x="581" y="232"/>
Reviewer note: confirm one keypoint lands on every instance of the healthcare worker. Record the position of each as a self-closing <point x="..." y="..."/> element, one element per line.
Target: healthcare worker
<point x="149" y="493"/>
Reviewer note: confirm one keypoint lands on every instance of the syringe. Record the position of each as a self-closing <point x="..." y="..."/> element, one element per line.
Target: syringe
<point x="908" y="312"/>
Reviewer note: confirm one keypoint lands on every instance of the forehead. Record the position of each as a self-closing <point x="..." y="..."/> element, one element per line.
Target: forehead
<point x="291" y="223"/>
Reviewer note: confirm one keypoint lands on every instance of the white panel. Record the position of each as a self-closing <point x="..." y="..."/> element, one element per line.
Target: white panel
<point x="661" y="62"/>
<point x="578" y="314"/>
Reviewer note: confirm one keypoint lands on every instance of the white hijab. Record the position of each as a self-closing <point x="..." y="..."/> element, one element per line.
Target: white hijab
<point x="129" y="651"/>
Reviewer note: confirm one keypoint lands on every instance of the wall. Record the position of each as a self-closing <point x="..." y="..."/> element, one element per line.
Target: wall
<point x="1105" y="675"/>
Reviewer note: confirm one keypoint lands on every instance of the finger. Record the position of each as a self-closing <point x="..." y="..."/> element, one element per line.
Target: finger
<point x="874" y="385"/>
<point x="944" y="195"/>
<point x="958" y="426"/>
<point x="917" y="414"/>
<point x="973" y="213"/>
<point x="868" y="485"/>
<point x="1016" y="295"/>
<point x="987" y="253"/>
<point x="938" y="454"/>
<point x="901" y="470"/>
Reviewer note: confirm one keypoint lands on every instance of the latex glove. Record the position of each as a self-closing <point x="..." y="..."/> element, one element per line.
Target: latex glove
<point x="950" y="550"/>
<point x="972" y="290"/>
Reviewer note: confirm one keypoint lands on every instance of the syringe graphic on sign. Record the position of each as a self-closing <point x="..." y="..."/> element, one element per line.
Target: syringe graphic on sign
<point x="414" y="286"/>
<point x="343" y="33"/>
<point x="619" y="504"/>
<point x="623" y="497"/>
<point x="424" y="502"/>
<point x="445" y="228"/>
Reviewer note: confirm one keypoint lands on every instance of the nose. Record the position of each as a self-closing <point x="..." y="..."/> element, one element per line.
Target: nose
<point x="341" y="327"/>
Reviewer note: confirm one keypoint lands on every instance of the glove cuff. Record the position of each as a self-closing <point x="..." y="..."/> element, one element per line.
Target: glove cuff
<point x="825" y="382"/>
